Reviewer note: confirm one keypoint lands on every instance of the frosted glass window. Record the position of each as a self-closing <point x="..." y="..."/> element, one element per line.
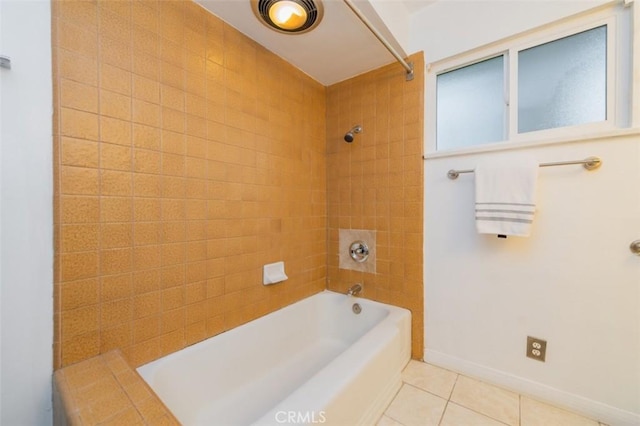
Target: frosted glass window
<point x="470" y="105"/>
<point x="564" y="82"/>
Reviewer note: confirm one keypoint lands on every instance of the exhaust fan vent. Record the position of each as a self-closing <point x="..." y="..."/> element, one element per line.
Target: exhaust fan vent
<point x="288" y="16"/>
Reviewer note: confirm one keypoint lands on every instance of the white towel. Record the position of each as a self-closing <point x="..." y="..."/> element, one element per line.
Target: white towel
<point x="505" y="196"/>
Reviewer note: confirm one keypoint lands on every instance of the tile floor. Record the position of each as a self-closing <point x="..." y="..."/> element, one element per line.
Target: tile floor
<point x="434" y="396"/>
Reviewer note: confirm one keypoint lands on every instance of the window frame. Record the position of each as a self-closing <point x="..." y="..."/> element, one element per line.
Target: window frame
<point x="509" y="47"/>
<point x="505" y="93"/>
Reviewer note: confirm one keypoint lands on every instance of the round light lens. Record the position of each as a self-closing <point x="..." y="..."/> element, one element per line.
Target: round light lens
<point x="287" y="15"/>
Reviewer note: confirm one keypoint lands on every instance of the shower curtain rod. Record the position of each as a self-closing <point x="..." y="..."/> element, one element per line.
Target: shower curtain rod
<point x="406" y="65"/>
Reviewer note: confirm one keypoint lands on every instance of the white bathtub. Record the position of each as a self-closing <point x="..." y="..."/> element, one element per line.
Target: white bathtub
<point x="313" y="362"/>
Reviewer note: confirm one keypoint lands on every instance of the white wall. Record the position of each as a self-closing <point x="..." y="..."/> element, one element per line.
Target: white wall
<point x="574" y="282"/>
<point x="449" y="27"/>
<point x="396" y="19"/>
<point x="26" y="222"/>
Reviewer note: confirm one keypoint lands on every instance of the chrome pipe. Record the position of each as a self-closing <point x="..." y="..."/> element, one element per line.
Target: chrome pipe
<point x="406" y="65"/>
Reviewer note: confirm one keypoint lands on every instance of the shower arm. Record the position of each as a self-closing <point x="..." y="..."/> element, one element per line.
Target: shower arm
<point x="406" y="65"/>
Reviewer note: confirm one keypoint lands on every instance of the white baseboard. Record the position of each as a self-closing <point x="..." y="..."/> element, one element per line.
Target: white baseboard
<point x="587" y="407"/>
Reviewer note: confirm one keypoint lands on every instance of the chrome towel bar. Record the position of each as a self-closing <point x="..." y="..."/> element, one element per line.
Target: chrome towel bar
<point x="589" y="163"/>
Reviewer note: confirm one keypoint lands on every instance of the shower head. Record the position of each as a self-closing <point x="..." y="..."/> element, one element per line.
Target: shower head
<point x="349" y="136"/>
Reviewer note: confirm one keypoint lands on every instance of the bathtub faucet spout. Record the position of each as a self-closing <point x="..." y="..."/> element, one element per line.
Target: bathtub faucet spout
<point x="355" y="289"/>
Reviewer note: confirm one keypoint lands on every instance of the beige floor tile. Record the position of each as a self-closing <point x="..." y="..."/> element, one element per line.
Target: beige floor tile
<point x="430" y="378"/>
<point x="456" y="415"/>
<point x="536" y="413"/>
<point x="413" y="406"/>
<point x="486" y="399"/>
<point x="387" y="421"/>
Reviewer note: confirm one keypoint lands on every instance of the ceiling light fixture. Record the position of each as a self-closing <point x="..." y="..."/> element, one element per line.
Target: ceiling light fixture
<point x="288" y="16"/>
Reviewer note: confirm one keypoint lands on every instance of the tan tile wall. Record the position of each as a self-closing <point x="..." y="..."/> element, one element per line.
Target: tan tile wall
<point x="186" y="157"/>
<point x="376" y="183"/>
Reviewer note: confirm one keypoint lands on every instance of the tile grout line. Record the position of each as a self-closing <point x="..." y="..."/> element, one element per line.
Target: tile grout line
<point x="481" y="414"/>
<point x="519" y="410"/>
<point x="424" y="390"/>
<point x="131" y="195"/>
<point x="446" y="405"/>
<point x="100" y="275"/>
<point x="454" y="386"/>
<point x="384" y="413"/>
<point x="458" y="375"/>
<point x="57" y="170"/>
<point x="484" y="414"/>
<point x="450" y="402"/>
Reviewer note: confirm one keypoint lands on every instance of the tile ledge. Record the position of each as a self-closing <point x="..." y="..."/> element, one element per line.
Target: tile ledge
<point x="70" y="410"/>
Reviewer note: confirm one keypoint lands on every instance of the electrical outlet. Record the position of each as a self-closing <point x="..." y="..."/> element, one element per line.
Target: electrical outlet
<point x="536" y="348"/>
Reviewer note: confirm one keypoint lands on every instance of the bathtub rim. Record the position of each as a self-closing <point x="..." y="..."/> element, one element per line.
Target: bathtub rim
<point x="149" y="368"/>
<point x="396" y="320"/>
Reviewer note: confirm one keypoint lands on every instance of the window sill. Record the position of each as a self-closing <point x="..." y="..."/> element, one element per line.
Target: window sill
<point x="507" y="146"/>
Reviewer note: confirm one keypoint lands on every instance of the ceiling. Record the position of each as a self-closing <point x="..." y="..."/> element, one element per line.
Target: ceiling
<point x="416" y="5"/>
<point x="339" y="48"/>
